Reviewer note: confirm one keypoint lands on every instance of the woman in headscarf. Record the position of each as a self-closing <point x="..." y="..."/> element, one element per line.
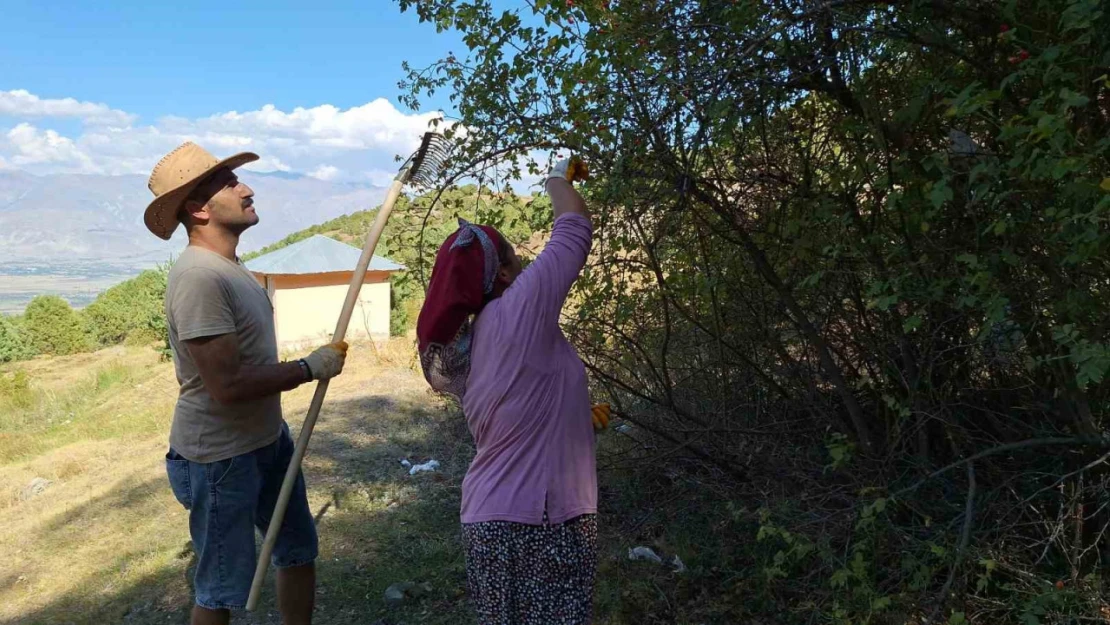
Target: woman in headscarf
<point x="489" y="335"/>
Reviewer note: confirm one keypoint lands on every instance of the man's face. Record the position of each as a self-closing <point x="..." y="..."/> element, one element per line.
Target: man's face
<point x="228" y="202"/>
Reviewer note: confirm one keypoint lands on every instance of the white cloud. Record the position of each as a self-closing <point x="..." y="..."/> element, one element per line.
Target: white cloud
<point x="20" y="103"/>
<point x="322" y="141"/>
<point x="32" y="146"/>
<point x="380" y="177"/>
<point x="268" y="163"/>
<point x="377" y="124"/>
<point x="325" y="172"/>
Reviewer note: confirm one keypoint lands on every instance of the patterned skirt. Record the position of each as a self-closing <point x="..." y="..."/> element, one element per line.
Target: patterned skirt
<point x="532" y="574"/>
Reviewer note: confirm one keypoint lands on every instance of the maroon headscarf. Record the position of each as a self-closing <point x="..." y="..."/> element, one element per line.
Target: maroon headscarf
<point x="463" y="277"/>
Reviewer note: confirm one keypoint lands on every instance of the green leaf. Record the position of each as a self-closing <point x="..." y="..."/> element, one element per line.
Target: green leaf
<point x="1072" y="99"/>
<point x="884" y="303"/>
<point x="940" y="193"/>
<point x="812" y="279"/>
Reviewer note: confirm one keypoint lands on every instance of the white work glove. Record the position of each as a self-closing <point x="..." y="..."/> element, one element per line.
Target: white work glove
<point x="570" y="169"/>
<point x="327" y="361"/>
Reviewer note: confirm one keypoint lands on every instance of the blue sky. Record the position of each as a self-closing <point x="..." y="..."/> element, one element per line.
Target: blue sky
<point x="104" y="87"/>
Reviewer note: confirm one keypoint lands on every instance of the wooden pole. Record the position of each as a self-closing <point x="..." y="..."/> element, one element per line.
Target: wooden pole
<point x="318" y="398"/>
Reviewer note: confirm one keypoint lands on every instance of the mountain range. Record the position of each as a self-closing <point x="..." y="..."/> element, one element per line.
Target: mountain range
<point x="75" y="234"/>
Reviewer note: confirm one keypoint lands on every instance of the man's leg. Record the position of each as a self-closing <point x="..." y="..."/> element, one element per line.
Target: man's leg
<point x="296" y="593"/>
<point x="204" y="616"/>
<point x="191" y="487"/>
<point x="222" y="526"/>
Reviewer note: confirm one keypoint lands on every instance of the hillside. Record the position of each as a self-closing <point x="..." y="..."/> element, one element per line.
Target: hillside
<point x="114" y="307"/>
<point x="99" y="219"/>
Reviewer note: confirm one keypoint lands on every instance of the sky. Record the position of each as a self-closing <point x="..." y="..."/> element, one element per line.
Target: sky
<point x="108" y="87"/>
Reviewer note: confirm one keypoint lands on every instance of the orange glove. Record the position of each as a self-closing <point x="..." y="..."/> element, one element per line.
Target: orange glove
<point x="600" y="416"/>
<point x="327" y="361"/>
<point x="577" y="170"/>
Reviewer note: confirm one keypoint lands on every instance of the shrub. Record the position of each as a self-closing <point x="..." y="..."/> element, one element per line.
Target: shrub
<point x="131" y="311"/>
<point x="14" y="344"/>
<point x="884" y="220"/>
<point x="54" y="328"/>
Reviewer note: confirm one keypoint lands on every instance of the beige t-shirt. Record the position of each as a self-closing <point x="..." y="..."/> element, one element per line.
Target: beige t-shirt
<point x="209" y="295"/>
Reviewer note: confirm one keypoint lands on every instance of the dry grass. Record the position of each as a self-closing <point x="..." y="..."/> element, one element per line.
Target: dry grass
<point x="105" y="523"/>
<point x="399" y="353"/>
<point x="107" y="539"/>
<point x="94" y="428"/>
<point x="117" y="393"/>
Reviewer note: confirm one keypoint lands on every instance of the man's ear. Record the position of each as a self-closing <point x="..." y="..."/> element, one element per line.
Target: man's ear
<point x="194" y="211"/>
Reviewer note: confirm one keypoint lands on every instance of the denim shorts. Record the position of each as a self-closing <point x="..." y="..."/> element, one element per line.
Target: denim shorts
<point x="227" y="500"/>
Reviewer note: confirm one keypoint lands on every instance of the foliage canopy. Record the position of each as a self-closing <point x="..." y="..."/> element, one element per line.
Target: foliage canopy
<point x="880" y="220"/>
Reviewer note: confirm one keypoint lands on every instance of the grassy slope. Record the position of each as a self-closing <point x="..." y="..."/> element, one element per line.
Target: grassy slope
<point x="107" y="543"/>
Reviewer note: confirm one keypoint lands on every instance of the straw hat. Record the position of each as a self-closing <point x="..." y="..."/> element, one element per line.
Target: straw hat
<point x="175" y="177"/>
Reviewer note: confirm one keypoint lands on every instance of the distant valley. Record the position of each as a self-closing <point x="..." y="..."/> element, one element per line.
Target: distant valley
<point x="76" y="235"/>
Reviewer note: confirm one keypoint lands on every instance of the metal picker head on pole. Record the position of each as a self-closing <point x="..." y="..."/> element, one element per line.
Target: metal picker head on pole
<point x="426" y="164"/>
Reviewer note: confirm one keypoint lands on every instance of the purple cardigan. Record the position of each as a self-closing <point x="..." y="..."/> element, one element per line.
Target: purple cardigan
<point x="527" y="404"/>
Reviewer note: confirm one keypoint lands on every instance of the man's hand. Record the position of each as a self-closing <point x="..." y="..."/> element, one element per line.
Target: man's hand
<point x="600" y="416"/>
<point x="327" y="362"/>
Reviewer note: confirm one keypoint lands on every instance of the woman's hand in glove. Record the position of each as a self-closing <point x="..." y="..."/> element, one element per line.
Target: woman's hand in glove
<point x="571" y="169"/>
<point x="600" y="416"/>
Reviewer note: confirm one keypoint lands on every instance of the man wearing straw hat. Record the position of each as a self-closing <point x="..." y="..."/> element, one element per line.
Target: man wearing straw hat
<point x="229" y="446"/>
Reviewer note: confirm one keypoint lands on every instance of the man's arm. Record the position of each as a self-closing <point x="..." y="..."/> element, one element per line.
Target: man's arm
<point x="229" y="381"/>
<point x="201" y="308"/>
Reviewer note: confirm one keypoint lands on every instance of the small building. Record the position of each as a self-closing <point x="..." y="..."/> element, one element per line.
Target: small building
<point x="307" y="283"/>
